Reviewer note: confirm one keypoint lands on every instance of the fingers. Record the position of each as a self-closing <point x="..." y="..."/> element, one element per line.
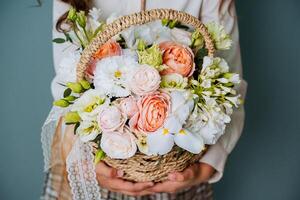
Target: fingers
<point x="188" y="174"/>
<point x="168" y="187"/>
<point x="120" y="184"/>
<point x="103" y="170"/>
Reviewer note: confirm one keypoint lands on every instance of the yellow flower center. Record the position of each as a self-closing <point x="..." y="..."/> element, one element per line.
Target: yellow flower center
<point x="118" y="74"/>
<point x="182" y="132"/>
<point x="165" y="131"/>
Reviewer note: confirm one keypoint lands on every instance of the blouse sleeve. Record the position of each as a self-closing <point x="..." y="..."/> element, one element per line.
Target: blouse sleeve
<point x="223" y="12"/>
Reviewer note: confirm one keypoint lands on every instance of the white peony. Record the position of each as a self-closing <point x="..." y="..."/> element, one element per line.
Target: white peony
<point x="112" y="74"/>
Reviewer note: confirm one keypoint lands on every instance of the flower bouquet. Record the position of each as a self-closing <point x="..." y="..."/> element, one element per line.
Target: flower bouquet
<point x="150" y="96"/>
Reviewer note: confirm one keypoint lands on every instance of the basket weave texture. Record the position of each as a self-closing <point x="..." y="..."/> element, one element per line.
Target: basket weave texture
<point x="140" y="167"/>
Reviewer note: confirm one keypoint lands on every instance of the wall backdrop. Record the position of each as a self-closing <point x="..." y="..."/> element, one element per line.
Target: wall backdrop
<point x="266" y="162"/>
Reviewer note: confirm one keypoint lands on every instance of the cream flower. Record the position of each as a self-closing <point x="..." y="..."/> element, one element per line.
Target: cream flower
<point x="212" y="67"/>
<point x="88" y="104"/>
<point x="220" y="37"/>
<point x="88" y="130"/>
<point x="118" y="145"/>
<point x="145" y="80"/>
<point x="128" y="106"/>
<point x="174" y="81"/>
<point x="181" y="36"/>
<point x="110" y="118"/>
<point x="112" y="74"/>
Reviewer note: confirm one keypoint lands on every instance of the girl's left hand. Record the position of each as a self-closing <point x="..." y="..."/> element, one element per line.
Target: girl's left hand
<point x="191" y="176"/>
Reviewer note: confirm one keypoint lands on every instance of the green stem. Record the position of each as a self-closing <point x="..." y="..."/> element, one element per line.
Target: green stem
<point x="80" y="40"/>
<point x="86" y="35"/>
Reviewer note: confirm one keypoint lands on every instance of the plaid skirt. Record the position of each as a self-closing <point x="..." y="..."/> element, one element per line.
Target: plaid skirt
<point x="54" y="190"/>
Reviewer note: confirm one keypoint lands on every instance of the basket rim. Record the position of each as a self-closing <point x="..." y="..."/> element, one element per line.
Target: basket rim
<point x="140" y="18"/>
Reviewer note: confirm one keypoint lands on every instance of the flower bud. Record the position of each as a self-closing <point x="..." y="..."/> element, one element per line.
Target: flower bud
<point x="70" y="98"/>
<point x="72" y="118"/>
<point x="81" y="19"/>
<point x="75" y="87"/>
<point x="199" y="42"/>
<point x="72" y="15"/>
<point x="165" y="22"/>
<point x="172" y="24"/>
<point x="61" y="103"/>
<point x="99" y="156"/>
<point x="85" y="84"/>
<point x="141" y="46"/>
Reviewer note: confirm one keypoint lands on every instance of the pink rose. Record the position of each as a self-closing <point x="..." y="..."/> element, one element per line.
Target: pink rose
<point x="153" y="110"/>
<point x="110" y="118"/>
<point x="128" y="106"/>
<point x="178" y="58"/>
<point x="145" y="80"/>
<point x="118" y="145"/>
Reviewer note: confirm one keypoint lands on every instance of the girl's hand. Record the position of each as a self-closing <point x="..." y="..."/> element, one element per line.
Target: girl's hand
<point x="111" y="179"/>
<point x="193" y="175"/>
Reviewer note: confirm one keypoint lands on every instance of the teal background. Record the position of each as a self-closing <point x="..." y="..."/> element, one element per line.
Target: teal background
<point x="265" y="164"/>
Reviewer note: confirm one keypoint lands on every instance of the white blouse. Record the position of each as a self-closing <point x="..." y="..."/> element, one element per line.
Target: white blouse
<point x="221" y="11"/>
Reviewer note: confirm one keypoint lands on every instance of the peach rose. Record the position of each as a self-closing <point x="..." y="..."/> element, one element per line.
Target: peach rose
<point x="128" y="106"/>
<point x="145" y="80"/>
<point x="178" y="58"/>
<point x="110" y="48"/>
<point x="110" y="118"/>
<point x="153" y="110"/>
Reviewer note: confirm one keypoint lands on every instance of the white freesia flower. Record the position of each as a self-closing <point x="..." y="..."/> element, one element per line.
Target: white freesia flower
<point x="112" y="75"/>
<point x="217" y="64"/>
<point x="161" y="141"/>
<point x="174" y="80"/>
<point x="181" y="36"/>
<point x="235" y="100"/>
<point x="88" y="130"/>
<point x="88" y="104"/>
<point x="220" y="37"/>
<point x="118" y="145"/>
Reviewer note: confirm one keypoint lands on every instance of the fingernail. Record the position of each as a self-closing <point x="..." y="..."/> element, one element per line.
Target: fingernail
<point x="172" y="177"/>
<point x="120" y="173"/>
<point x="150" y="184"/>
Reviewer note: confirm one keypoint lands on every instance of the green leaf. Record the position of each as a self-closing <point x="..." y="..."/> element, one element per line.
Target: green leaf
<point x="100" y="155"/>
<point x="68" y="37"/>
<point x="59" y="40"/>
<point x="67" y="92"/>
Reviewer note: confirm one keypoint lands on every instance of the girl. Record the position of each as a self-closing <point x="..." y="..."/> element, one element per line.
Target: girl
<point x="194" y="182"/>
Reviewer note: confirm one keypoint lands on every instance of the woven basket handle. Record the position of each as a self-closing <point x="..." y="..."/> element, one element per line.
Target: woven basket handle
<point x="136" y="19"/>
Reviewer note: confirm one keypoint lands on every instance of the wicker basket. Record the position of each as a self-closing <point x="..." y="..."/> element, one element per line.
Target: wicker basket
<point x="141" y="167"/>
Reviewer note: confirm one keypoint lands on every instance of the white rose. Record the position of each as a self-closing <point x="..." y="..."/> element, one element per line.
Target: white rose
<point x="118" y="145"/>
<point x="110" y="118"/>
<point x="145" y="80"/>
